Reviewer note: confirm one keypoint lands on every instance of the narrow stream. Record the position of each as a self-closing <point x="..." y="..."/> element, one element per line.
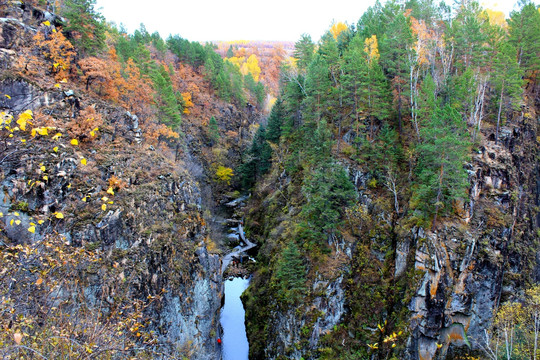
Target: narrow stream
<point x="235" y="345"/>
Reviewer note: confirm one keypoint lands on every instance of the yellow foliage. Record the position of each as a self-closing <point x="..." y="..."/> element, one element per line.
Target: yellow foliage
<point x="224" y="174"/>
<point x="371" y="48"/>
<point x="187" y="102"/>
<point x="337" y="29"/>
<point x="24" y="119"/>
<point x="496" y="18"/>
<point x="252" y="66"/>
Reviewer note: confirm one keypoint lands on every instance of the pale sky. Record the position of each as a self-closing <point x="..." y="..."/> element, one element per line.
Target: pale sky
<point x="206" y="20"/>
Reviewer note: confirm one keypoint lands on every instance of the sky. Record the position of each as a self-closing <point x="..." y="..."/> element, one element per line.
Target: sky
<point x="214" y="20"/>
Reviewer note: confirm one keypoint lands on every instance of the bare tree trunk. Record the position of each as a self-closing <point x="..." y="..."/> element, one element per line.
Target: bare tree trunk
<point x="499" y="115"/>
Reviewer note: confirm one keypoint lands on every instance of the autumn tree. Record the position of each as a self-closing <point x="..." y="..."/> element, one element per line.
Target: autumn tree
<point x="94" y="70"/>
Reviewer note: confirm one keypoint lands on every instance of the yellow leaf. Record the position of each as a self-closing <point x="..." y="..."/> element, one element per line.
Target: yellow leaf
<point x="63" y="81"/>
<point x="96" y="129"/>
<point x="42" y="168"/>
<point x="24" y="118"/>
<point x="32" y="224"/>
<point x="92" y="133"/>
<point x="1" y="214"/>
<point x="84" y="199"/>
<point x="110" y="202"/>
<point x="59" y="215"/>
<point x="18" y="338"/>
<point x="11" y="222"/>
<point x="39" y="281"/>
<point x="57" y="136"/>
<point x="53" y="30"/>
<point x="32" y="229"/>
<point x="23" y="141"/>
<point x="83" y="161"/>
<point x="6" y="95"/>
<point x="55" y="149"/>
<point x="33" y="132"/>
<point x="103" y="207"/>
<point x="56" y="65"/>
<point x="57" y="85"/>
<point x="18" y="222"/>
<point x="74" y="142"/>
<point x="16" y="213"/>
<point x="110" y="191"/>
<point x="47" y="23"/>
<point x="105" y="198"/>
<point x="42" y="131"/>
<point x="69" y="186"/>
<point x="40" y="222"/>
<point x="10" y="135"/>
<point x="45" y="177"/>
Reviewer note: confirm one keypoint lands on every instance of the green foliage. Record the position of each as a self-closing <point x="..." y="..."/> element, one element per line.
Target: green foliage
<point x="213" y="130"/>
<point x="524" y="31"/>
<point x="256" y="89"/>
<point x="257" y="161"/>
<point x="290" y="273"/>
<point x="328" y="191"/>
<point x="275" y="122"/>
<point x="303" y="51"/>
<point x="442" y="153"/>
<point x="85" y="27"/>
<point x="166" y="99"/>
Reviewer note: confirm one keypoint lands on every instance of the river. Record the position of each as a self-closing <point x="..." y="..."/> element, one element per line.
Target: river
<point x="235" y="345"/>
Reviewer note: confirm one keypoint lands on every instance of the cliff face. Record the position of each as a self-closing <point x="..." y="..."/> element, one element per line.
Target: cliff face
<point x="408" y="291"/>
<point x="102" y="236"/>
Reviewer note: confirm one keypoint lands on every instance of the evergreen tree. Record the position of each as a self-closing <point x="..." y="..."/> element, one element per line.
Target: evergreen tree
<point x="442" y="153"/>
<point x="303" y="51"/>
<point x="506" y="81"/>
<point x="290" y="273"/>
<point x="85" y="27"/>
<point x="524" y="31"/>
<point x="258" y="159"/>
<point x="166" y="99"/>
<point x="275" y="122"/>
<point x="230" y="52"/>
<point x="328" y="191"/>
<point x="213" y="130"/>
<point x="317" y="87"/>
<point x="394" y="50"/>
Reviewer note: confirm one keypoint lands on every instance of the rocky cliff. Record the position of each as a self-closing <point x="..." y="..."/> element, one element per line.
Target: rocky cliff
<point x="105" y="237"/>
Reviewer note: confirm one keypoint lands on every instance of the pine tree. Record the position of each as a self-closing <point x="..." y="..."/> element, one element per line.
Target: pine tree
<point x="275" y="122"/>
<point x="85" y="27"/>
<point x="166" y="98"/>
<point x="303" y="51"/>
<point x="394" y="49"/>
<point x="524" y="32"/>
<point x="506" y="81"/>
<point x="290" y="273"/>
<point x="442" y="153"/>
<point x="213" y="130"/>
<point x="328" y="191"/>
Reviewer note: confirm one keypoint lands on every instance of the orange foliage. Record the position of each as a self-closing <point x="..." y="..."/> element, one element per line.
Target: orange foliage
<point x="87" y="121"/>
<point x="94" y="69"/>
<point x="116" y="183"/>
<point x="186" y="96"/>
<point x="58" y="51"/>
<point x="156" y="134"/>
